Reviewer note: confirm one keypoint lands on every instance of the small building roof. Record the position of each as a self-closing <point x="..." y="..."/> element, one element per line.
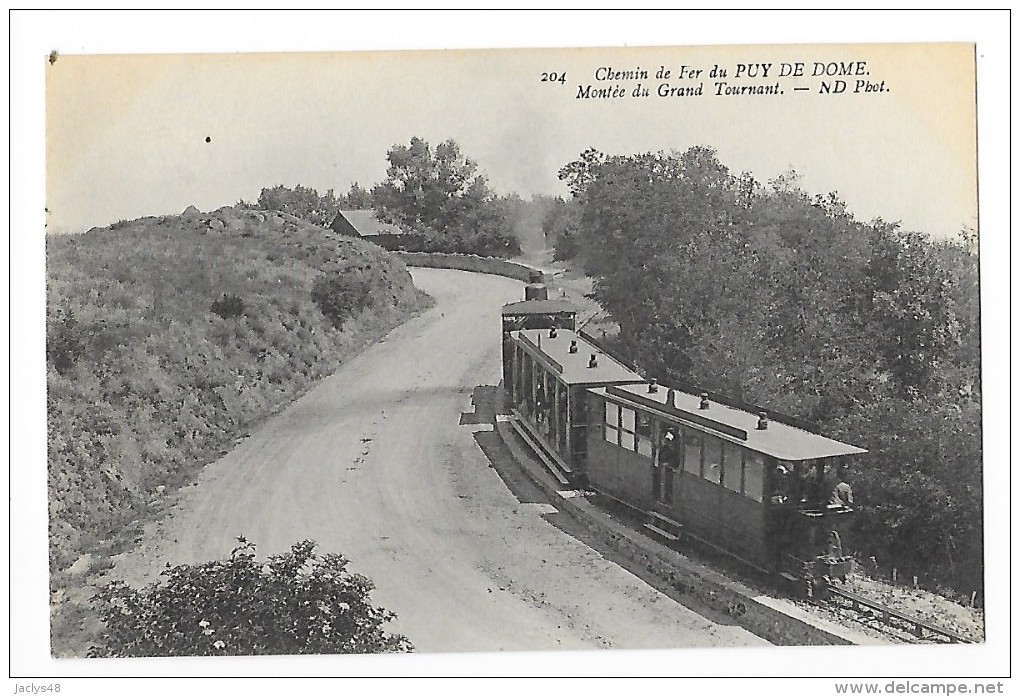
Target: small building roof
<point x="572" y="368"/>
<point x="779" y="440"/>
<point x="366" y="224"/>
<point x="538" y="307"/>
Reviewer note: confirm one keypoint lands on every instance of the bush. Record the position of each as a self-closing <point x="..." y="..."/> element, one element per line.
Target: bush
<point x="566" y="247"/>
<point x="228" y="306"/>
<point x="65" y="340"/>
<point x="294" y="603"/>
<point x="340" y="296"/>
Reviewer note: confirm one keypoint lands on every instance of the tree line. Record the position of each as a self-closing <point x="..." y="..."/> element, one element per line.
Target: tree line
<point x="436" y="196"/>
<point x="776" y="297"/>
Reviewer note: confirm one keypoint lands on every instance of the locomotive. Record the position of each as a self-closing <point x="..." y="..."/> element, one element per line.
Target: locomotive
<point x="764" y="488"/>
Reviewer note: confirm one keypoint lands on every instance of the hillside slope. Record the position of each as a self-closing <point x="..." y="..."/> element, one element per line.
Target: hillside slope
<point x="167" y="337"/>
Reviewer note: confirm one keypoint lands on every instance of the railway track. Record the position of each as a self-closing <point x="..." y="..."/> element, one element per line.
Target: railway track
<point x="842" y="599"/>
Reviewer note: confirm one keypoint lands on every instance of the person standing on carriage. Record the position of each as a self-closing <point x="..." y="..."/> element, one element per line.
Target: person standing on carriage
<point x="669" y="452"/>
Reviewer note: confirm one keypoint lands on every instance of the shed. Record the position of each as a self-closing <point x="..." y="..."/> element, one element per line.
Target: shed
<point x="362" y="223"/>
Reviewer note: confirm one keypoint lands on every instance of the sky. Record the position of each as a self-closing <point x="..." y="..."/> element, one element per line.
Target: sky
<point x="136" y="135"/>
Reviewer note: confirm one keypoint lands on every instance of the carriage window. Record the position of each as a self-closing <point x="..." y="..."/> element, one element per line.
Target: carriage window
<point x="692" y="451"/>
<point x="713" y="460"/>
<point x="612" y="423"/>
<point x="643" y="434"/>
<point x="754" y="475"/>
<point x="626" y="428"/>
<point x="612" y="415"/>
<point x="627" y="419"/>
<point x="732" y="467"/>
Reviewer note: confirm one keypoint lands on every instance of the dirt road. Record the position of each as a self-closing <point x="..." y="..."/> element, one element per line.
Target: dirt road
<point x="382" y="462"/>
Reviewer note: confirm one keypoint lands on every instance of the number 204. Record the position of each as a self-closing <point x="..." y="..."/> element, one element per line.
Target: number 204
<point x="554" y="77"/>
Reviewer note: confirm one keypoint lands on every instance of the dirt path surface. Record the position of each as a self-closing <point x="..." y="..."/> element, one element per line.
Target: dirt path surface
<point x="383" y="463"/>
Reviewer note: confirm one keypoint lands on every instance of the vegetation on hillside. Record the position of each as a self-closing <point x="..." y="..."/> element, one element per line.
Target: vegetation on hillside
<point x="776" y="297"/>
<point x="306" y="203"/>
<point x="293" y="603"/>
<point x="167" y="337"/>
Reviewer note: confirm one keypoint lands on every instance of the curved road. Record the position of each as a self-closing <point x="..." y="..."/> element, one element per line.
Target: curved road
<point x="380" y="462"/>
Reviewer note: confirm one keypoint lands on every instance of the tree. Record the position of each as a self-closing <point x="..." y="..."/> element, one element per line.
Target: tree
<point x="441" y="196"/>
<point x="293" y="603"/>
<point x="780" y="298"/>
<point x="356" y="198"/>
<point x="582" y="171"/>
<point x="914" y="307"/>
<point x="429" y="189"/>
<point x="559" y="226"/>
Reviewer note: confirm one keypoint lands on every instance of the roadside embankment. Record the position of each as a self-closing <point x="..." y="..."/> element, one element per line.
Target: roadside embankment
<point x="169" y="337"/>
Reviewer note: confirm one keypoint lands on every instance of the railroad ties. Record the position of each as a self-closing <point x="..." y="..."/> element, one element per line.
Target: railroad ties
<point x="890" y="616"/>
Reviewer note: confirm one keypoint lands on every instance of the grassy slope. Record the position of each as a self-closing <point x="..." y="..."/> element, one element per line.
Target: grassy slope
<point x="159" y="384"/>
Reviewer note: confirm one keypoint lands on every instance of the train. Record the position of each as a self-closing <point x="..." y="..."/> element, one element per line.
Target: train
<point x="692" y="466"/>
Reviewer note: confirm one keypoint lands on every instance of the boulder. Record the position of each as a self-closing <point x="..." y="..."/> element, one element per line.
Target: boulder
<point x="81" y="566"/>
<point x="191" y="213"/>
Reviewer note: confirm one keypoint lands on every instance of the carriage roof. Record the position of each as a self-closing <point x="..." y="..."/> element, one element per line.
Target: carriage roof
<point x="781" y="441"/>
<point x="572" y="368"/>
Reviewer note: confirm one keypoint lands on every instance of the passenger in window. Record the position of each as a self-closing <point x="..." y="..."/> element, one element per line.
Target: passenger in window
<point x="644" y="425"/>
<point x="713" y="472"/>
<point x="540" y="404"/>
<point x="780" y="486"/>
<point x="713" y="460"/>
<point x="842" y="494"/>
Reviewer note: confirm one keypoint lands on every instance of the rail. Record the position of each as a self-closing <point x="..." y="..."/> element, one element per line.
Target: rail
<point x="888" y="614"/>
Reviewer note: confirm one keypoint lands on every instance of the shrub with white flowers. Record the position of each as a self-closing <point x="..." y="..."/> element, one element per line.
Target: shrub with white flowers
<point x="293" y="603"/>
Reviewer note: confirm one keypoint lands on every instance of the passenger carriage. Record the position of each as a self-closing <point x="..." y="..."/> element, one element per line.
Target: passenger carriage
<point x="753" y="484"/>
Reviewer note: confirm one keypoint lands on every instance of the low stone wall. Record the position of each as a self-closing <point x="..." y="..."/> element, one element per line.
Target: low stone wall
<point x="467" y="262"/>
<point x="679" y="581"/>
